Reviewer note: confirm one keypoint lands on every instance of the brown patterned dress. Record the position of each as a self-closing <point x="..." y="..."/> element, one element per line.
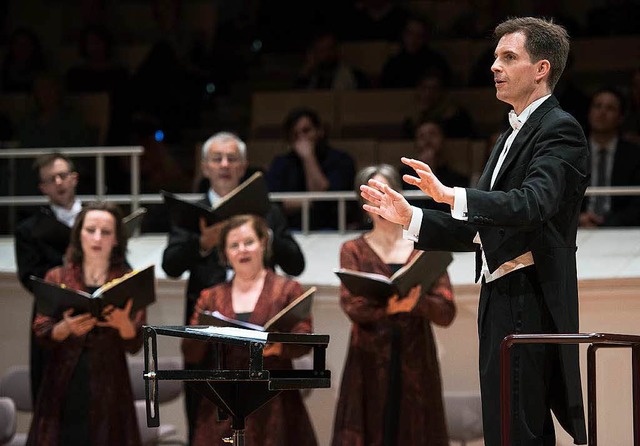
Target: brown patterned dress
<point x="283" y="421"/>
<point x="391" y="392"/>
<point x="85" y="372"/>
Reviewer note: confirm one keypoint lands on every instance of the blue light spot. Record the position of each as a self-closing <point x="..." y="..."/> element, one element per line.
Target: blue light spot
<point x="159" y="135"/>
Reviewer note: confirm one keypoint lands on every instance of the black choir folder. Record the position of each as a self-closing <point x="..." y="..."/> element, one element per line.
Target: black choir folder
<point x="424" y="269"/>
<point x="52" y="299"/>
<point x="133" y="221"/>
<point x="250" y="197"/>
<point x="283" y="321"/>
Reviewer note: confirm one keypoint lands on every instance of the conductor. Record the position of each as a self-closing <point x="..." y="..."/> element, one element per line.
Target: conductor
<point x="521" y="221"/>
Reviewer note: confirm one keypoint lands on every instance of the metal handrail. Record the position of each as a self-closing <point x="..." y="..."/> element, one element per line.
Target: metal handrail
<point x="595" y="341"/>
<point x="136" y="198"/>
<point x="99" y="152"/>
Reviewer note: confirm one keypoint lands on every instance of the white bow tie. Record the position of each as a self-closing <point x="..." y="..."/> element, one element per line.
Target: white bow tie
<point x="514" y="121"/>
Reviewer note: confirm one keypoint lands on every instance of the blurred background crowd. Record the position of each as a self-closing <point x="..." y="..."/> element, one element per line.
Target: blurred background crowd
<point x="385" y="78"/>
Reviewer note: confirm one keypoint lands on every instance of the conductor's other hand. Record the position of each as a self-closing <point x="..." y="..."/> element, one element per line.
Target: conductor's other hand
<point x="406" y="304"/>
<point x="386" y="202"/>
<point x="209" y="235"/>
<point x="427" y="182"/>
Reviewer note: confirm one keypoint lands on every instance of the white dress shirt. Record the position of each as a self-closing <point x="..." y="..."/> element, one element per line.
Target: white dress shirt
<point x="459" y="209"/>
<point x="67" y="216"/>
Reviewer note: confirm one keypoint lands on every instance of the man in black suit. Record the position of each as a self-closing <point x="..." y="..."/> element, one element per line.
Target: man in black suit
<point x="224" y="163"/>
<point x="522" y="222"/>
<point x="614" y="162"/>
<point x="42" y="239"/>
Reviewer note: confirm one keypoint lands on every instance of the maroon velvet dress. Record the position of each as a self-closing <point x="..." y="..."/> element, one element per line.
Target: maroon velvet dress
<point x="391" y="392"/>
<point x="85" y="372"/>
<point x="283" y="421"/>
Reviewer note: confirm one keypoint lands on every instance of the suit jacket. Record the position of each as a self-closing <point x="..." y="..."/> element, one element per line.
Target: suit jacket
<point x="534" y="206"/>
<point x="625" y="210"/>
<point x="40" y="243"/>
<point x="183" y="254"/>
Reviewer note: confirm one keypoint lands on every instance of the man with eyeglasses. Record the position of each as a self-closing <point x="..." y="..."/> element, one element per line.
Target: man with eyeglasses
<point x="42" y="239"/>
<point x="224" y="163"/>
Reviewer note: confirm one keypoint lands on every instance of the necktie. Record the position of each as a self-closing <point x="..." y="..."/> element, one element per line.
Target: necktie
<point x="513" y="120"/>
<point x="601" y="180"/>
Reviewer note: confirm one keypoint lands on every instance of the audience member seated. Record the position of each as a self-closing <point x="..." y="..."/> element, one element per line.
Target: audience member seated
<point x="391" y="391"/>
<point x="435" y="104"/>
<point x="631" y="125"/>
<point x="614" y="162"/>
<point x="557" y="10"/>
<point x="170" y="82"/>
<point x="480" y="74"/>
<point x="373" y="20"/>
<point x="23" y="61"/>
<point x="415" y="59"/>
<point x="54" y="124"/>
<point x="323" y="69"/>
<point x="310" y="165"/>
<point x="254" y="294"/>
<point x="99" y="73"/>
<point x="614" y="18"/>
<point x="430" y="143"/>
<point x="478" y="19"/>
<point x="85" y="396"/>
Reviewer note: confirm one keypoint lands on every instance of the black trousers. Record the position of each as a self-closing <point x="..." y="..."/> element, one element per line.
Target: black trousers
<point x="508" y="305"/>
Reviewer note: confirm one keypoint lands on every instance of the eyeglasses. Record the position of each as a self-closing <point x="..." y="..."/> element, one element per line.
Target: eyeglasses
<point x="217" y="159"/>
<point x="53" y="178"/>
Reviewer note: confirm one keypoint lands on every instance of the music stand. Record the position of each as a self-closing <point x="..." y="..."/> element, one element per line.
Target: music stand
<point x="237" y="393"/>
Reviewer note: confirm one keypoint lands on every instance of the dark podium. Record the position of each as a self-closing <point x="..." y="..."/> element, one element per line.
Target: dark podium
<point x="236" y="393"/>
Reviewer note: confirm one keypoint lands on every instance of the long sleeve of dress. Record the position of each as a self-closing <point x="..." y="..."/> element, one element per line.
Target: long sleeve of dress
<point x="360" y="309"/>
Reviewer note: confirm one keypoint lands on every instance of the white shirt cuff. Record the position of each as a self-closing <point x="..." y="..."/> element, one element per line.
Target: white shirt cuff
<point x="413" y="232"/>
<point x="459" y="210"/>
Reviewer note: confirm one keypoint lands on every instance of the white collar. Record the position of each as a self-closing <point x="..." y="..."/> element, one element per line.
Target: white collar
<point x="522" y="117"/>
<point x="67" y="216"/>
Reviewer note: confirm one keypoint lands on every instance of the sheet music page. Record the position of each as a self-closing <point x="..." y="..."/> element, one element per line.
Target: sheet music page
<point x="231" y="332"/>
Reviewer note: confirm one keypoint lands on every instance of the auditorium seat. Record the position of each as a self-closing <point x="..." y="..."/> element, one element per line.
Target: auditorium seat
<point x="378" y="114"/>
<point x="15" y="384"/>
<point x="269" y="109"/>
<point x="488" y="113"/>
<point x="363" y="151"/>
<point x="94" y="108"/>
<point x="463" y="411"/>
<point x="368" y="56"/>
<point x="7" y="420"/>
<point x="168" y="390"/>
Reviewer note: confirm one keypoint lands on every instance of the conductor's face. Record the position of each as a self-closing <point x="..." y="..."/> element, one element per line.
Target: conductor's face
<point x="517" y="78"/>
<point x="224" y="166"/>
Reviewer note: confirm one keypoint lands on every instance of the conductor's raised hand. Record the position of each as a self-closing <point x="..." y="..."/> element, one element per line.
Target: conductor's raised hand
<point x="427" y="182"/>
<point x="386" y="202"/>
